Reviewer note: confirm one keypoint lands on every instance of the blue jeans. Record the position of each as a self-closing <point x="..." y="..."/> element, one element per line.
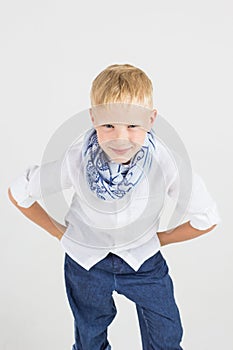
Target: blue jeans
<point x="150" y="288"/>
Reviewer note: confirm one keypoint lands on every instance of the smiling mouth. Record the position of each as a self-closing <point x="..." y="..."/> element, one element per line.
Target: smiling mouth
<point x="120" y="151"/>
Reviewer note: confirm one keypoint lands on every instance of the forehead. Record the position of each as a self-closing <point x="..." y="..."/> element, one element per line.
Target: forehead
<point x="121" y="113"/>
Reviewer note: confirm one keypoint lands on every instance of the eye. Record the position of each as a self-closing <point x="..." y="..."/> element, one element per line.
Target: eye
<point x="108" y="126"/>
<point x="133" y="126"/>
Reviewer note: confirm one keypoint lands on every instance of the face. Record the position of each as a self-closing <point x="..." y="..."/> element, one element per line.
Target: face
<point x="122" y="135"/>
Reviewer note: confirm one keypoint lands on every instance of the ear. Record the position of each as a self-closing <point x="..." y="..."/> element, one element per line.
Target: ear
<point x="153" y="115"/>
<point x="91" y="114"/>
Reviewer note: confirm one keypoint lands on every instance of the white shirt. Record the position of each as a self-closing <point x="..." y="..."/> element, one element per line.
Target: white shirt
<point x="90" y="230"/>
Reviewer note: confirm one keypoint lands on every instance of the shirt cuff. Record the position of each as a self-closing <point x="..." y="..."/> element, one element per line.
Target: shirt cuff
<point x="19" y="189"/>
<point x="203" y="221"/>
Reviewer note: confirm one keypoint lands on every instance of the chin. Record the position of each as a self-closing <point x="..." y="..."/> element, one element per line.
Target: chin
<point x="119" y="159"/>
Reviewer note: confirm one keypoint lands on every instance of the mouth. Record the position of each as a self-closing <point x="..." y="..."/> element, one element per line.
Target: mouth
<point x="120" y="151"/>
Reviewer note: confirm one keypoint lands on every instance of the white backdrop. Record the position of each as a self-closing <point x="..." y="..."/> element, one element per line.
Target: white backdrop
<point x="50" y="53"/>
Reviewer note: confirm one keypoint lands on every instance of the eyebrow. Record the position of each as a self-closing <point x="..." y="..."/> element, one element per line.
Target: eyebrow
<point x="109" y="123"/>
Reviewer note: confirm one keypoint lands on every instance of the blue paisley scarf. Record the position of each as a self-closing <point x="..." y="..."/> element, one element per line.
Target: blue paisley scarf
<point x="110" y="180"/>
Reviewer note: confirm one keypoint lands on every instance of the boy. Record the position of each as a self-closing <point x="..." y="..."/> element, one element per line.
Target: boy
<point x="104" y="249"/>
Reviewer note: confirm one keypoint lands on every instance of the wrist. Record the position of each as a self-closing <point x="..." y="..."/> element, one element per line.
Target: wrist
<point x="59" y="236"/>
<point x="59" y="230"/>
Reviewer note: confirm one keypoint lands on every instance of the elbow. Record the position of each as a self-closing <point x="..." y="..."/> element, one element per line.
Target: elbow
<point x="11" y="197"/>
<point x="210" y="228"/>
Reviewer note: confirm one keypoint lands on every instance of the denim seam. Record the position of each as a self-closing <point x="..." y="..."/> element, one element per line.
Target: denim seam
<point x="115" y="281"/>
<point x="147" y="327"/>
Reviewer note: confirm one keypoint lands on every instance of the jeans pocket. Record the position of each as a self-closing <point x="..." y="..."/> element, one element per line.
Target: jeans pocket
<point x="71" y="264"/>
<point x="155" y="265"/>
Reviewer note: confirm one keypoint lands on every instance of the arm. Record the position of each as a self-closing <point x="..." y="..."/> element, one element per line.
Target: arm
<point x="27" y="189"/>
<point x="199" y="216"/>
<point x="181" y="233"/>
<point x="38" y="215"/>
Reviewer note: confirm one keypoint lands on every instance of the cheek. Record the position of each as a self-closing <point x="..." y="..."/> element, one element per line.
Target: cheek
<point x="139" y="137"/>
<point x="102" y="137"/>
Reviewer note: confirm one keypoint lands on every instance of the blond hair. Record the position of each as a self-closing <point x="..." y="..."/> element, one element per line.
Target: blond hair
<point x="122" y="83"/>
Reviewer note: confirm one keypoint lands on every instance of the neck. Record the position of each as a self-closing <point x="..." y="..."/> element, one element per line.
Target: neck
<point x="126" y="162"/>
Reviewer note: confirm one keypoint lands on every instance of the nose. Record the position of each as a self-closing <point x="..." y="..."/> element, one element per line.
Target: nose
<point x="121" y="132"/>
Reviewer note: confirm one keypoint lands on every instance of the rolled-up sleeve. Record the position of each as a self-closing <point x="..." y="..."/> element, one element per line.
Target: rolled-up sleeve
<point x="201" y="211"/>
<point x="41" y="180"/>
